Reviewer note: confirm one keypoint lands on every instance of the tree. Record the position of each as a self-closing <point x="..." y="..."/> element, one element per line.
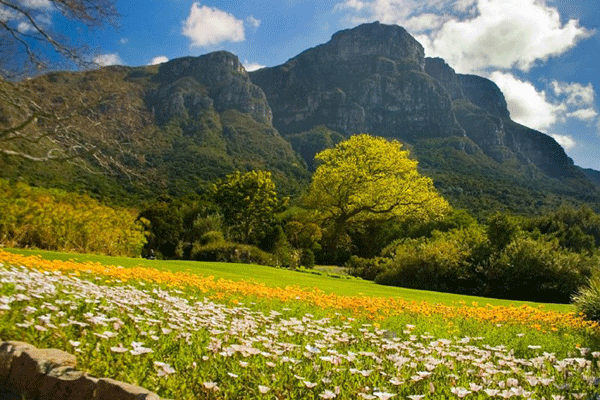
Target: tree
<point x="27" y="38"/>
<point x="366" y="180"/>
<point x="248" y="202"/>
<point x="40" y="121"/>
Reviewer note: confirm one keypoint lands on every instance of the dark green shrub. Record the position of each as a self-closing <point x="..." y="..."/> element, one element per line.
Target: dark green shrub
<point x="539" y="270"/>
<point x="445" y="262"/>
<point x="230" y="252"/>
<point x="367" y="268"/>
<point x="587" y="299"/>
<point x="307" y="258"/>
<point x="212" y="237"/>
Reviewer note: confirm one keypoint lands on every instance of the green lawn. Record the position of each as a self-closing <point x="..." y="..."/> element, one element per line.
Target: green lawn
<point x="282" y="277"/>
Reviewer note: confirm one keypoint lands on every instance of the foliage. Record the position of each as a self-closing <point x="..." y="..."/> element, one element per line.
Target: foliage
<point x="540" y="270"/>
<point x="188" y="336"/>
<point x="248" y="203"/>
<point x="369" y="180"/>
<point x="443" y="262"/>
<point x="587" y="299"/>
<point x="366" y="268"/>
<point x="577" y="229"/>
<point x="501" y="261"/>
<point x="57" y="220"/>
<point x="222" y="251"/>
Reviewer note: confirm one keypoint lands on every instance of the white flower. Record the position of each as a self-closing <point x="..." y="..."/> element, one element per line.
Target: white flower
<point x="460" y="392"/>
<point x="327" y="394"/>
<point x="383" y="395"/>
<point x="263" y="389"/>
<point x="211" y="385"/>
<point x="309" y="384"/>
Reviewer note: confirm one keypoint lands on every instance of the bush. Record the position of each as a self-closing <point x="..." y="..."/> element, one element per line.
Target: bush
<point x="366" y="268"/>
<point x="307" y="258"/>
<point x="223" y="251"/>
<point x="539" y="270"/>
<point x="587" y="299"/>
<point x="444" y="262"/>
<point x="212" y="237"/>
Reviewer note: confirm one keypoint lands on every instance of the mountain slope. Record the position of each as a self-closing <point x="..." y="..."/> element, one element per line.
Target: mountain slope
<point x="374" y="78"/>
<point x="192" y="120"/>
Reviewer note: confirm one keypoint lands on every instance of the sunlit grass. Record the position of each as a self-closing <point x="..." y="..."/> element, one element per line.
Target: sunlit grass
<point x="274" y="277"/>
<point x="213" y="339"/>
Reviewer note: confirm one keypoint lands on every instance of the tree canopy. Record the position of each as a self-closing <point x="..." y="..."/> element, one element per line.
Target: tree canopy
<point x="368" y="179"/>
<point x="248" y="203"/>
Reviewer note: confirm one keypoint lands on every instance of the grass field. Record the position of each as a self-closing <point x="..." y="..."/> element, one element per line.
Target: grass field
<point x="230" y="331"/>
<point x="282" y="277"/>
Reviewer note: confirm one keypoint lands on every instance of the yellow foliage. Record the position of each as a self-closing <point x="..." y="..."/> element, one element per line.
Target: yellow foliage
<point x="368" y="178"/>
<point x="57" y="220"/>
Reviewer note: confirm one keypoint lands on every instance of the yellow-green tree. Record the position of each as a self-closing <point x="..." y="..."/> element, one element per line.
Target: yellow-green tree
<point x="366" y="180"/>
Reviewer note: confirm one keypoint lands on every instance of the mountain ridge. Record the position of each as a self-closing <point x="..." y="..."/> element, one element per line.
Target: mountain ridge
<point x="207" y="116"/>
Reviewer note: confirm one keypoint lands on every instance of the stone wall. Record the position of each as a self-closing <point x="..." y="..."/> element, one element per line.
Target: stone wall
<point x="27" y="372"/>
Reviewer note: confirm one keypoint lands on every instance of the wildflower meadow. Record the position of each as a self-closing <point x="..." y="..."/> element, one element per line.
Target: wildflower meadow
<point x="189" y="336"/>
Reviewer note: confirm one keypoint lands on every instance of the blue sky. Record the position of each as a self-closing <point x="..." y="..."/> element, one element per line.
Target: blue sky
<point x="542" y="53"/>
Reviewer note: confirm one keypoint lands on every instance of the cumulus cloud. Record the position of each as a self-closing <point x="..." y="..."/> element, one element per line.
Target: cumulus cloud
<point x="566" y="141"/>
<point x="475" y="35"/>
<point x="158" y="60"/>
<point x="37" y="4"/>
<point x="576" y="93"/>
<point x="543" y="109"/>
<point x="253" y="21"/>
<point x="526" y="104"/>
<point x="251" y="66"/>
<point x="108" y="59"/>
<point x="208" y="26"/>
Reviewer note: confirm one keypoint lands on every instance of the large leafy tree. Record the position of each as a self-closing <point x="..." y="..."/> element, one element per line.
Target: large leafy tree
<point x="52" y="119"/>
<point x="367" y="180"/>
<point x="248" y="203"/>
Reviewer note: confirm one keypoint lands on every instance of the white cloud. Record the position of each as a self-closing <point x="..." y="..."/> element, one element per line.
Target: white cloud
<point x="526" y="104"/>
<point x="124" y="40"/>
<point x="540" y="109"/>
<point x="567" y="142"/>
<point x="158" y="60"/>
<point x="208" y="26"/>
<point x="253" y="21"/>
<point x="577" y="94"/>
<point x="584" y="114"/>
<point x="24" y="27"/>
<point x="474" y="35"/>
<point x="250" y="66"/>
<point x="108" y="59"/>
<point x="37" y="4"/>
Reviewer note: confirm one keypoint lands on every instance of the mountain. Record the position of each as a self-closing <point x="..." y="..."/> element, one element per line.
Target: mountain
<point x="375" y="78"/>
<point x="172" y="129"/>
<point x="176" y="127"/>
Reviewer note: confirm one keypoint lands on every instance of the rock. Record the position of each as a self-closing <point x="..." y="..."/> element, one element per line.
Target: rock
<point x="108" y="389"/>
<point x="367" y="79"/>
<point x="67" y="384"/>
<point x="29" y="368"/>
<point x="484" y="93"/>
<point x="8" y="352"/>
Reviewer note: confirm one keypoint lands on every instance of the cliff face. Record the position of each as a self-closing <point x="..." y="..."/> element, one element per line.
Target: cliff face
<point x="216" y="81"/>
<point x="375" y="79"/>
<point x="367" y="79"/>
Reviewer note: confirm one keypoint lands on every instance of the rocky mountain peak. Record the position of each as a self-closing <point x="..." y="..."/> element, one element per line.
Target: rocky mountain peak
<point x="190" y="85"/>
<point x="390" y="41"/>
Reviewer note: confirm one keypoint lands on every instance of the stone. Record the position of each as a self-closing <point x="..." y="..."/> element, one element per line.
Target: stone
<point x="8" y="352"/>
<point x="109" y="389"/>
<point x="30" y="367"/>
<point x="67" y="384"/>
